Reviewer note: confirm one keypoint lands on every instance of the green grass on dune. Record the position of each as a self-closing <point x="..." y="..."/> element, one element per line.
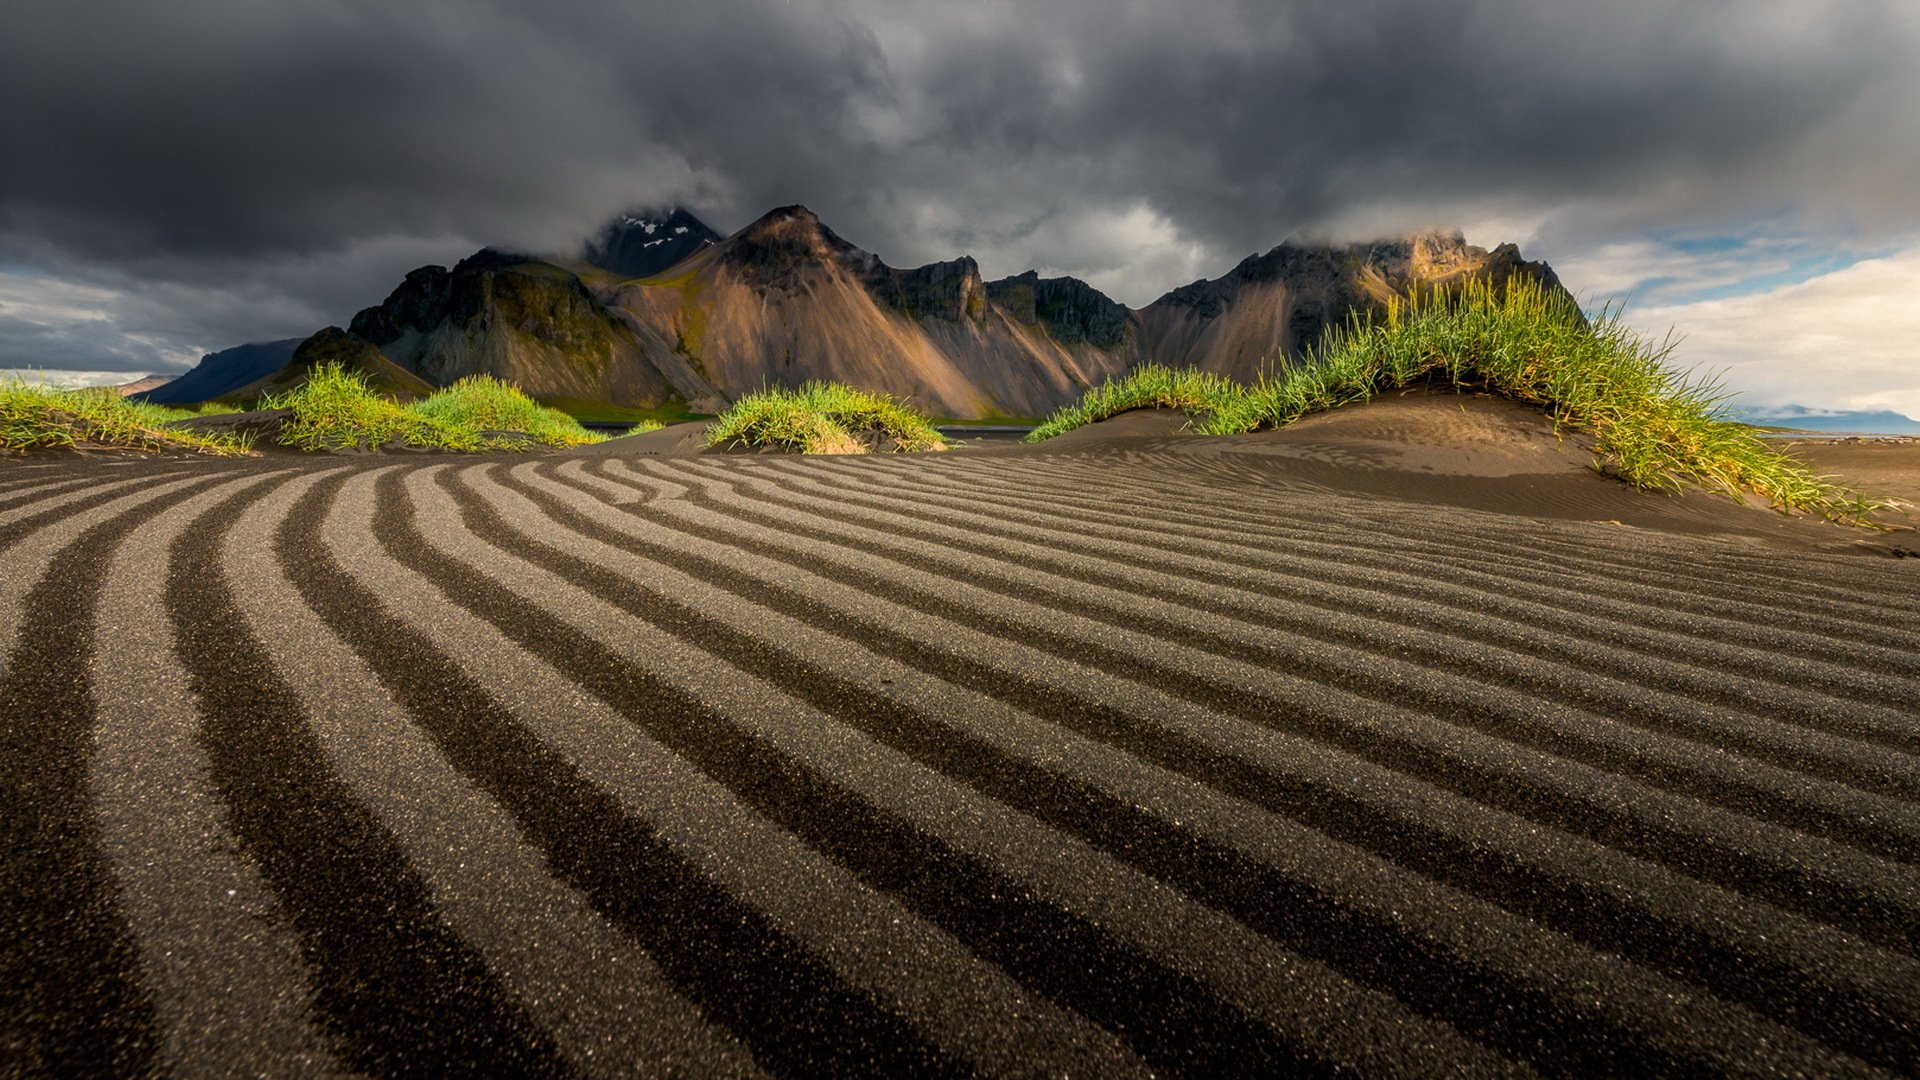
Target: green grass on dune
<point x="823" y="418"/>
<point x="36" y="417"/>
<point x="484" y="403"/>
<point x="1199" y="394"/>
<point x="336" y="410"/>
<point x="1653" y="426"/>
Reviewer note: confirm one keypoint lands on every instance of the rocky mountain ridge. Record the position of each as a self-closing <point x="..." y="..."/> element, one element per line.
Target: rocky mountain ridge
<point x="786" y="299"/>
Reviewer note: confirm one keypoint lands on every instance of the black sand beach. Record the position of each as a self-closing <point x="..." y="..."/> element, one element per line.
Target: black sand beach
<point x="1400" y="741"/>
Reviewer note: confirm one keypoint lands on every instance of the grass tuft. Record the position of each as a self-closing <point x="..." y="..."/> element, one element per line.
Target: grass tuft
<point x="1151" y="386"/>
<point x="484" y="403"/>
<point x="823" y="418"/>
<point x="334" y="409"/>
<point x="1654" y="427"/>
<point x="42" y="417"/>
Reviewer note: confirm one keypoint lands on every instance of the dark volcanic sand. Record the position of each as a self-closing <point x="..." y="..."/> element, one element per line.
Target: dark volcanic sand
<point x="1399" y="740"/>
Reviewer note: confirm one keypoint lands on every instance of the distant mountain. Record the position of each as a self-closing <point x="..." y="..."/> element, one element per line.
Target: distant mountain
<point x="141" y="386"/>
<point x="1865" y="423"/>
<point x="1278" y="305"/>
<point x="659" y="309"/>
<point x="221" y="373"/>
<point x="642" y="243"/>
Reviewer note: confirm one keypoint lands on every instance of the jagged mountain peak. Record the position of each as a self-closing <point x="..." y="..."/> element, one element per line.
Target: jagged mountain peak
<point x="640" y="243"/>
<point x="787" y="240"/>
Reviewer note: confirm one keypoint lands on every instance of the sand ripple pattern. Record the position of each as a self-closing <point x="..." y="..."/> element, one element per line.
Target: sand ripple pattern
<point x="1081" y="766"/>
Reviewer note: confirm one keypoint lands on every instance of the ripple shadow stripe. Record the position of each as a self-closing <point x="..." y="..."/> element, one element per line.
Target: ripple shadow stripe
<point x="1451" y="674"/>
<point x="1857" y="892"/>
<point x="963" y="1004"/>
<point x="851" y="615"/>
<point x="71" y="997"/>
<point x="1167" y="1017"/>
<point x="1587" y="909"/>
<point x="1356" y="530"/>
<point x="723" y="956"/>
<point x="396" y="990"/>
<point x="24" y="519"/>
<point x="224" y="970"/>
<point x="1597" y="557"/>
<point x="1640" y="643"/>
<point x="33" y="491"/>
<point x="581" y="981"/>
<point x="1514" y="1014"/>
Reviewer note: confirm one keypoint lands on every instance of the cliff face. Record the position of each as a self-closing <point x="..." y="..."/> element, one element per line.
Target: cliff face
<point x="527" y="321"/>
<point x="785" y="300"/>
<point x="1072" y="311"/>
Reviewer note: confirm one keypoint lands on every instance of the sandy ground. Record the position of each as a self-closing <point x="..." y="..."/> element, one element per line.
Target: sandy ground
<point x="1399" y="742"/>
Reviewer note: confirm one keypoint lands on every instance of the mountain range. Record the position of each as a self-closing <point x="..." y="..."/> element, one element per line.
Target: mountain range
<point x="659" y="310"/>
<point x="1859" y="422"/>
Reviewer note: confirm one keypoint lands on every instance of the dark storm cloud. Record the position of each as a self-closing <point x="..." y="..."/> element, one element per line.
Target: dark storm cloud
<point x="275" y="165"/>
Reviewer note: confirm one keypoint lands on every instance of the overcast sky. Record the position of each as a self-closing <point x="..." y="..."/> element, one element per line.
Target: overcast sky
<point x="186" y="175"/>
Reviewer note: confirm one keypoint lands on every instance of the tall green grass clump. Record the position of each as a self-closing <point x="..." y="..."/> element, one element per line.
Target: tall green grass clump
<point x="823" y="418"/>
<point x="1653" y="426"/>
<point x="484" y="403"/>
<point x="1199" y="394"/>
<point x="41" y="417"/>
<point x="334" y="409"/>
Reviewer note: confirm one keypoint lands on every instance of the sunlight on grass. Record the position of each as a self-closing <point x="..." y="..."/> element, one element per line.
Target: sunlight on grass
<point x="335" y="410"/>
<point x="34" y="416"/>
<point x="1654" y="427"/>
<point x="484" y="403"/>
<point x="1149" y="386"/>
<point x="823" y="418"/>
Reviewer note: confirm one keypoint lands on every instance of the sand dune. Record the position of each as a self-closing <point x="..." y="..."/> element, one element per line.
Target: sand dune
<point x="1399" y="740"/>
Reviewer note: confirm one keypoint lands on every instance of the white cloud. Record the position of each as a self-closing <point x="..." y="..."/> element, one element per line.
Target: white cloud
<point x="1849" y="339"/>
<point x="73" y="328"/>
<point x="44" y="301"/>
<point x="66" y="378"/>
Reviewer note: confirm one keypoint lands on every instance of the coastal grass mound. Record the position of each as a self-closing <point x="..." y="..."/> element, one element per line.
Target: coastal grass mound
<point x="1653" y="426"/>
<point x="484" y="403"/>
<point x="34" y="417"/>
<point x="823" y="418"/>
<point x="1150" y="386"/>
<point x="335" y="409"/>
